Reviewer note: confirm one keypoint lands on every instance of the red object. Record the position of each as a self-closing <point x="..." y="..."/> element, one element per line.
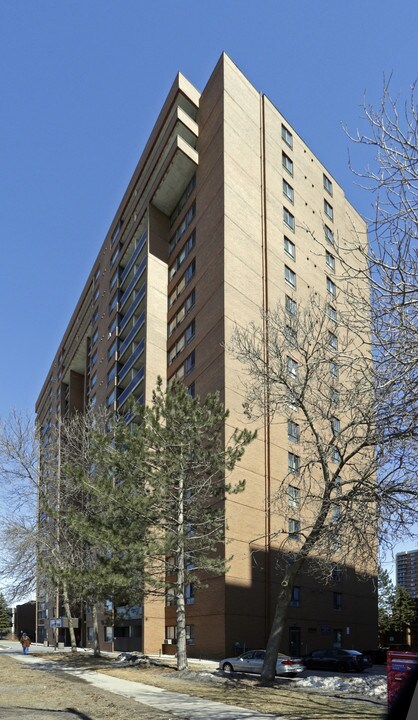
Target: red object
<point x="399" y="666"/>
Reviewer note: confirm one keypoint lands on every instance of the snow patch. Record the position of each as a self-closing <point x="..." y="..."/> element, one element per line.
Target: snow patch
<point x="371" y="686"/>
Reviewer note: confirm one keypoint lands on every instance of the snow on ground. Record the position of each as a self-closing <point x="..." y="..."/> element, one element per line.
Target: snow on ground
<point x="371" y="686"/>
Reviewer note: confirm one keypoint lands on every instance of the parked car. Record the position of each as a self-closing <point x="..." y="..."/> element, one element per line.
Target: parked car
<point x="337" y="659"/>
<point x="252" y="661"/>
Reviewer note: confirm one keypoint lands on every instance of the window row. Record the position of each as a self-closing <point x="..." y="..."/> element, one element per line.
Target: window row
<point x="181" y="343"/>
<point x="181" y="313"/>
<point x="181" y="257"/>
<point x="182" y="284"/>
<point x="183" y="200"/>
<point x="188" y="218"/>
<point x="296" y="598"/>
<point x="186" y="367"/>
<point x="171" y="633"/>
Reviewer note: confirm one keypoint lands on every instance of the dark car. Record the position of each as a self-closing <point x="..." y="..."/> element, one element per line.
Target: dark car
<point x="337" y="659"/>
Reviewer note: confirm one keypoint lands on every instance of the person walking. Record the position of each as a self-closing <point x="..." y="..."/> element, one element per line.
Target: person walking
<point x="25" y="642"/>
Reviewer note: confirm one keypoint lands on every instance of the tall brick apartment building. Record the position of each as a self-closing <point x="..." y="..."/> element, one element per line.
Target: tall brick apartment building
<point x="205" y="235"/>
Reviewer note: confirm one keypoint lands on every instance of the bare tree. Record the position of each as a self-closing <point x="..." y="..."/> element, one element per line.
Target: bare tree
<point x="312" y="372"/>
<point x="19" y="490"/>
<point x="391" y="139"/>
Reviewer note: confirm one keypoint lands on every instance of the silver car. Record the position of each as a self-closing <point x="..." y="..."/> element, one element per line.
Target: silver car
<point x="252" y="661"/>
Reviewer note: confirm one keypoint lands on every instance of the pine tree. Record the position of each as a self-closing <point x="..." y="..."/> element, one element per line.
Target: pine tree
<point x="4" y="616"/>
<point x="186" y="462"/>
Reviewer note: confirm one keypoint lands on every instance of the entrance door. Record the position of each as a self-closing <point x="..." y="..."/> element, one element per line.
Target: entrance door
<point x="294" y="642"/>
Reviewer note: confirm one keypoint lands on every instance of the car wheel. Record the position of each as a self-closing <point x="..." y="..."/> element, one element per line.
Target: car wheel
<point x="227" y="667"/>
<point x="342" y="667"/>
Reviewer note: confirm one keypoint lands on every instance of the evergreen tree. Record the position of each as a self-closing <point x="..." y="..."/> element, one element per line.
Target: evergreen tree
<point x="4" y="616"/>
<point x="187" y="459"/>
<point x="386" y="597"/>
<point x="404" y="610"/>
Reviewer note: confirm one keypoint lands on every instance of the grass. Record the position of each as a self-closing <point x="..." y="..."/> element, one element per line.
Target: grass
<point x="282" y="698"/>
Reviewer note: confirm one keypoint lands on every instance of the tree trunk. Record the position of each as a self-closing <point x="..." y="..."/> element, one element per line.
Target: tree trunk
<point x="67" y="609"/>
<point x="181" y="608"/>
<point x="279" y="622"/>
<point x="96" y="651"/>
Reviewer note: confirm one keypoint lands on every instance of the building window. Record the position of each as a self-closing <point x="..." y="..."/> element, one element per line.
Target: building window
<point x="331" y="287"/>
<point x="114" y="280"/>
<point x="171" y="632"/>
<point x="329" y="235"/>
<point x="183" y="340"/>
<point x="170" y="598"/>
<point x="337" y="574"/>
<point x="332" y="313"/>
<point x="93" y="360"/>
<point x="290" y="305"/>
<point x="192" y="390"/>
<point x="332" y="340"/>
<point x="338" y="638"/>
<point x="112" y="326"/>
<point x="116" y="232"/>
<point x="90" y="634"/>
<point x="330" y="260"/>
<point x="175" y="239"/>
<point x="333" y="368"/>
<point x="181" y="257"/>
<point x="97" y="274"/>
<point x="328" y="209"/>
<point x="293" y="431"/>
<point x="115" y="255"/>
<point x="112" y="350"/>
<point x="337" y="601"/>
<point x="293" y="462"/>
<point x="335" y="455"/>
<point x="293" y="494"/>
<point x="289" y="219"/>
<point x="334" y="396"/>
<point x="291" y="335"/>
<point x="108" y="634"/>
<point x="93" y="380"/>
<point x="292" y="367"/>
<point x="189" y="593"/>
<point x="113" y="302"/>
<point x="290" y="276"/>
<point x="182" y="284"/>
<point x="95" y="337"/>
<point x="186" y="367"/>
<point x="111" y="398"/>
<point x="181" y="313"/>
<point x="287" y="136"/>
<point x="294" y="529"/>
<point x="290" y="247"/>
<point x="95" y="317"/>
<point x="183" y="200"/>
<point x="288" y="191"/>
<point x="287" y="163"/>
<point x="335" y="425"/>
<point x="111" y="374"/>
<point x="295" y="597"/>
<point x="96" y="294"/>
<point x="327" y="184"/>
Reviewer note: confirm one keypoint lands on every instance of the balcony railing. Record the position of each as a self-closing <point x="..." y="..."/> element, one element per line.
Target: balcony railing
<point x="124" y="321"/>
<point x="131" y="387"/>
<point x="126" y="270"/>
<point x="131" y="362"/>
<point x="131" y="335"/>
<point x="124" y="297"/>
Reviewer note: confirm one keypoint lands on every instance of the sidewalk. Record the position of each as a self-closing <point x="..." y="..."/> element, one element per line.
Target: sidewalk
<point x="184" y="706"/>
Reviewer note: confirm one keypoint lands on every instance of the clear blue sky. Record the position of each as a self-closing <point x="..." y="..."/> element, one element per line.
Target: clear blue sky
<point x="82" y="84"/>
